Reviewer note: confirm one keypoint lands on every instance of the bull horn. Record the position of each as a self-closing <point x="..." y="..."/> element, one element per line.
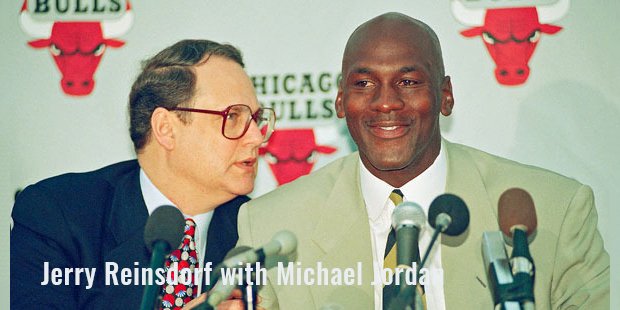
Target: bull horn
<point x="466" y="16"/>
<point x="117" y="28"/>
<point x="34" y="28"/>
<point x="551" y="13"/>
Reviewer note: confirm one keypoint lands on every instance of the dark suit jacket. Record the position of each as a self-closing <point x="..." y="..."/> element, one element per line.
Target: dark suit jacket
<point x="86" y="220"/>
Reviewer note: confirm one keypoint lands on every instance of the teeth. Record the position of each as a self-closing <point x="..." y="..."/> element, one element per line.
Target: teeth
<point x="389" y="128"/>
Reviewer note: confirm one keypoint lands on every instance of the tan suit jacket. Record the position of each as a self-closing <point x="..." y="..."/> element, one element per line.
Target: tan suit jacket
<point x="326" y="212"/>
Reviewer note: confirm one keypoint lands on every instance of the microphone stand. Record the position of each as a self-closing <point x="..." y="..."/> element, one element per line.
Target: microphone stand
<point x="151" y="290"/>
<point x="409" y="293"/>
<point x="249" y="289"/>
<point x="523" y="269"/>
<point x="250" y="293"/>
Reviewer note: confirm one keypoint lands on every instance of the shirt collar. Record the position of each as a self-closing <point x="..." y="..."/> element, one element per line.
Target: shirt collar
<point x="422" y="189"/>
<point x="153" y="198"/>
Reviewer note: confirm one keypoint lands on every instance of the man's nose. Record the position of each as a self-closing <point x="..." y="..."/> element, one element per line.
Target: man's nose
<point x="387" y="99"/>
<point x="253" y="135"/>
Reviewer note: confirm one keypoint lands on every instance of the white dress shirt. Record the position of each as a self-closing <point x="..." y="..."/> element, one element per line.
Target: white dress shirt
<point x="421" y="190"/>
<point x="153" y="198"/>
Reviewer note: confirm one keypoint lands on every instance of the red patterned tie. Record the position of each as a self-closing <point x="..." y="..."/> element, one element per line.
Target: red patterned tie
<point x="175" y="296"/>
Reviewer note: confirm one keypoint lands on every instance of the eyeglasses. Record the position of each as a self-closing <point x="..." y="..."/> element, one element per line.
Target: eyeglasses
<point x="237" y="118"/>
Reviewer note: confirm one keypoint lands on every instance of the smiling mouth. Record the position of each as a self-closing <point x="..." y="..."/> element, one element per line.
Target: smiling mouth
<point x="390" y="130"/>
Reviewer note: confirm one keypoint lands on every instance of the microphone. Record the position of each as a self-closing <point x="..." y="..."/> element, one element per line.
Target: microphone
<point x="447" y="214"/>
<point x="517" y="220"/>
<point x="221" y="291"/>
<point x="407" y="219"/>
<point x="498" y="270"/>
<point x="283" y="243"/>
<point x="163" y="232"/>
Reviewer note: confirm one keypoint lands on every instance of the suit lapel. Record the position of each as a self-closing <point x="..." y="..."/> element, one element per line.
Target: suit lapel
<point x="464" y="272"/>
<point x="128" y="213"/>
<point x="125" y="231"/>
<point x="342" y="234"/>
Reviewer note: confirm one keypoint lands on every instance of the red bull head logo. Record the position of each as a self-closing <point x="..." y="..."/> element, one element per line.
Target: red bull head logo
<point x="77" y="47"/>
<point x="510" y="34"/>
<point x="292" y="153"/>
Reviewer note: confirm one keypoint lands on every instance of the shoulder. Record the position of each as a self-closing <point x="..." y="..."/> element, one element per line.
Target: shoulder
<point x="70" y="192"/>
<point x="314" y="186"/>
<point x="108" y="174"/>
<point x="496" y="169"/>
<point x="554" y="195"/>
<point x="299" y="204"/>
<point x="78" y="181"/>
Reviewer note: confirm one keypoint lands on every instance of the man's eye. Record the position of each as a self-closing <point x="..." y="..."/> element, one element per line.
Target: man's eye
<point x="408" y="82"/>
<point x="362" y="83"/>
<point x="232" y="116"/>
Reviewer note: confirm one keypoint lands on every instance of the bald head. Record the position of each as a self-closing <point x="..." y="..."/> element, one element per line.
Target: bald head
<point x="389" y="29"/>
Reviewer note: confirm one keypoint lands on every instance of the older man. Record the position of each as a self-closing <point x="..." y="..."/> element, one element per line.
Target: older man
<point x="196" y="127"/>
<point x="392" y="91"/>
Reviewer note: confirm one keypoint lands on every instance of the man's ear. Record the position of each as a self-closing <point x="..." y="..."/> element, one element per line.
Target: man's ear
<point x="339" y="105"/>
<point x="447" y="98"/>
<point x="162" y="127"/>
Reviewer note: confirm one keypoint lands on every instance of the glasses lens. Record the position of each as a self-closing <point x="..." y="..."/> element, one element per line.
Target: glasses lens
<point x="266" y="122"/>
<point x="237" y="119"/>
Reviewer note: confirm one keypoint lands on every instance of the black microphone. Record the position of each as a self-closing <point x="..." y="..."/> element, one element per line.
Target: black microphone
<point x="447" y="214"/>
<point x="517" y="220"/>
<point x="498" y="270"/>
<point x="163" y="232"/>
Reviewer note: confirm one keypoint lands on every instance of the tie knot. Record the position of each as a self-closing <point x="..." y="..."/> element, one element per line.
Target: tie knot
<point x="190" y="227"/>
<point x="396" y="196"/>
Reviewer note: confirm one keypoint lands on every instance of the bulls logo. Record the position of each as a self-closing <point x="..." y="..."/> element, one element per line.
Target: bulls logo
<point x="510" y="34"/>
<point x="76" y="46"/>
<point x="292" y="153"/>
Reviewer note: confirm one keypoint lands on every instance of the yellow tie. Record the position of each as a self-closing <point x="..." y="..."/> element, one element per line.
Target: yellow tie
<point x="396" y="196"/>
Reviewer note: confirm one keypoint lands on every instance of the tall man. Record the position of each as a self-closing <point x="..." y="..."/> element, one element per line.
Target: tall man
<point x="196" y="127"/>
<point x="392" y="91"/>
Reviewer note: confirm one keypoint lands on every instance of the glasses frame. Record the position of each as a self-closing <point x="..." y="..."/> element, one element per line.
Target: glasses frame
<point x="224" y="114"/>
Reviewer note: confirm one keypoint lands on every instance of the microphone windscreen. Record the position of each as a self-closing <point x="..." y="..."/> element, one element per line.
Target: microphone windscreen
<point x="455" y="207"/>
<point x="408" y="213"/>
<point x="287" y="241"/>
<point x="516" y="207"/>
<point x="166" y="224"/>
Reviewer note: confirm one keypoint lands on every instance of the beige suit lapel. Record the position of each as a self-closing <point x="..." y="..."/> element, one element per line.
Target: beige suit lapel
<point x="465" y="283"/>
<point x="343" y="237"/>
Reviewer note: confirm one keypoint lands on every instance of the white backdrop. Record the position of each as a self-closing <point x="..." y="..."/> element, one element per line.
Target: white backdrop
<point x="564" y="118"/>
